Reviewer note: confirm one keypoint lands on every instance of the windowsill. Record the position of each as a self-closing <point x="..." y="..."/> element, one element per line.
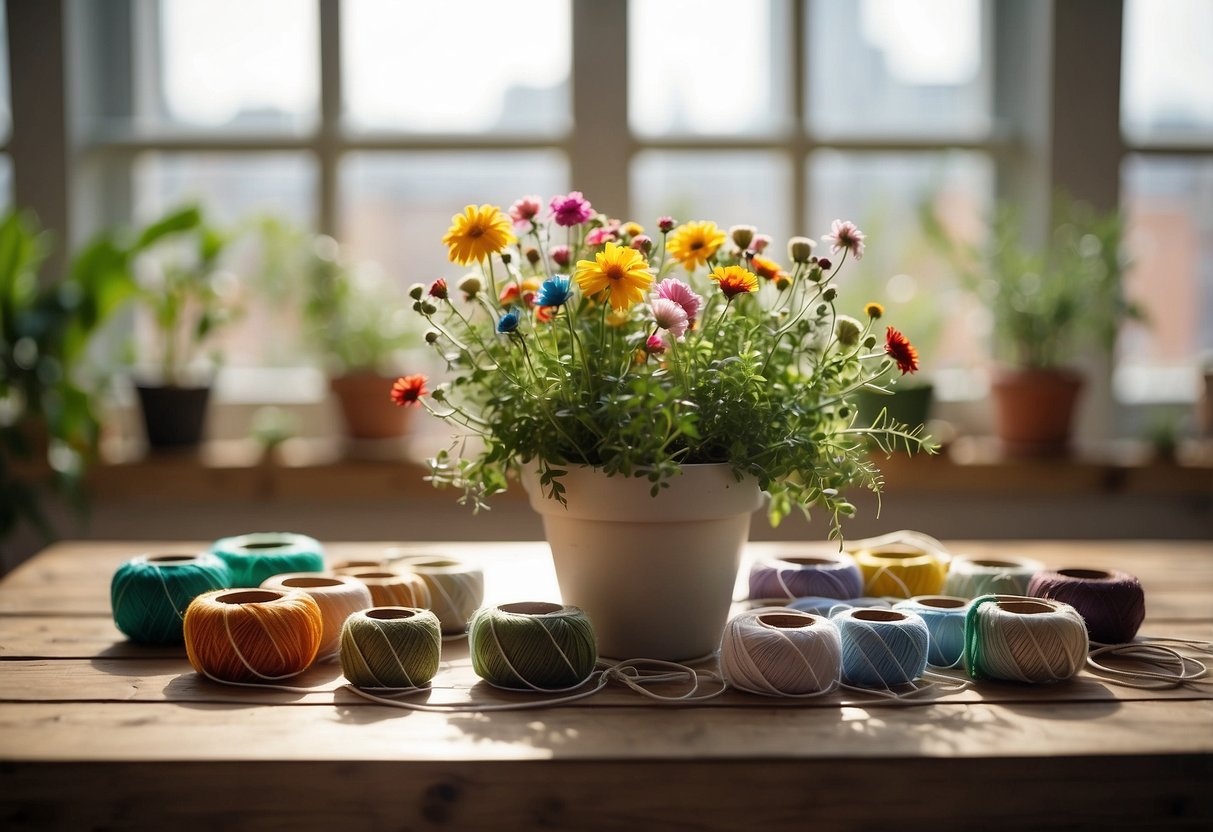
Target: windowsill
<point x="237" y="470"/>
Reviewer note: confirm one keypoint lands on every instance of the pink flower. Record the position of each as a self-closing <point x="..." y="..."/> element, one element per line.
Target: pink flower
<point x="844" y="236"/>
<point x="560" y="255"/>
<point x="570" y="210"/>
<point x="670" y="316"/>
<point x="666" y="224"/>
<point x="599" y="236"/>
<point x="760" y="242"/>
<point x="526" y="209"/>
<point x="642" y="242"/>
<point x="681" y="294"/>
<point x="654" y="346"/>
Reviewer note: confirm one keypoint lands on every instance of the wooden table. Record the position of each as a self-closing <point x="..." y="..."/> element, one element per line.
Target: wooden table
<point x="98" y="733"/>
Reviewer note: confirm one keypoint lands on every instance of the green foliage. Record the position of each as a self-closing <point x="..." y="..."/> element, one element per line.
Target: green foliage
<point x="1049" y="301"/>
<point x="761" y="382"/>
<point x="354" y="320"/>
<point x="170" y="268"/>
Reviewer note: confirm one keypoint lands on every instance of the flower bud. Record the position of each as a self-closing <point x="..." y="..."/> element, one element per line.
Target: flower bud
<point x="439" y="394"/>
<point x="428" y="308"/>
<point x="870" y="341"/>
<point x="560" y="255"/>
<point x="847" y="330"/>
<point x="782" y="282"/>
<point x="815" y="274"/>
<point x="632" y="229"/>
<point x="666" y="224"/>
<point x="874" y="310"/>
<point x="642" y="243"/>
<point x="532" y="256"/>
<point x="416" y="291"/>
<point x="438" y="289"/>
<point x="431" y="336"/>
<point x="830" y="293"/>
<point x="471" y="285"/>
<point x="800" y="249"/>
<point x="824" y="264"/>
<point x="760" y="243"/>
<point x="742" y="235"/>
<point x="506" y="257"/>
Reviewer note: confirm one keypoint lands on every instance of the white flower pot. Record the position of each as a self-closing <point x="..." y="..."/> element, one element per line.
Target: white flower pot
<point x="654" y="574"/>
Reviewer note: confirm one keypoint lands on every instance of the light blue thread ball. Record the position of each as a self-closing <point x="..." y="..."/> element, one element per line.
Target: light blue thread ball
<point x="882" y="648"/>
<point x="945" y="619"/>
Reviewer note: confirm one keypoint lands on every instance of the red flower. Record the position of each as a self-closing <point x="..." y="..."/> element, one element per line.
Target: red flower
<point x="438" y="289"/>
<point x="408" y="390"/>
<point x="901" y="350"/>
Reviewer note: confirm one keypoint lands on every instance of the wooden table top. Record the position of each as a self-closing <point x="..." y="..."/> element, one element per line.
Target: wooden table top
<point x="96" y="731"/>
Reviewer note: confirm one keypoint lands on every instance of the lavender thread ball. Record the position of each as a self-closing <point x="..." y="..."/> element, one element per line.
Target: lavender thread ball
<point x="1112" y="603"/>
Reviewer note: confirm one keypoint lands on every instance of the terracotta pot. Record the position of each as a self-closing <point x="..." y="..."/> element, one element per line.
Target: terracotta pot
<point x="173" y="417"/>
<point x="365" y="402"/>
<point x="1034" y="410"/>
<point x="654" y="574"/>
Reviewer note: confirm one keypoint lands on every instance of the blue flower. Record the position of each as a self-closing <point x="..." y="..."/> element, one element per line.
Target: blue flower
<point x="508" y="323"/>
<point x="555" y="291"/>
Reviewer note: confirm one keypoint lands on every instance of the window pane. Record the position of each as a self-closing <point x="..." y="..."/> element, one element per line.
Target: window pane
<point x="468" y="67"/>
<point x="883" y="193"/>
<point x="1166" y="91"/>
<point x="906" y="67"/>
<point x="706" y="67"/>
<point x="234" y="189"/>
<point x="1169" y="202"/>
<point x="239" y="64"/>
<point x="395" y="208"/>
<point x="729" y="188"/>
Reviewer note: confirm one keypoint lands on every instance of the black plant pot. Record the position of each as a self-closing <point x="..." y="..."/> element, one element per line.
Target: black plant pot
<point x="173" y="416"/>
<point x="909" y="405"/>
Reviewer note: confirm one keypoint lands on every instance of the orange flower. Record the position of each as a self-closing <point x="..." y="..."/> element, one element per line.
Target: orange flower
<point x="408" y="390"/>
<point x="734" y="280"/>
<point x="766" y="269"/>
<point x="901" y="350"/>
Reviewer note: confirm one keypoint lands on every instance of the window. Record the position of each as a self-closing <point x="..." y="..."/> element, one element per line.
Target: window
<point x="1167" y="193"/>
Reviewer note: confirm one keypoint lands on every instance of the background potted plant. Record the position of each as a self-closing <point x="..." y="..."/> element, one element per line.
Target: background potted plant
<point x="170" y="271"/>
<point x="355" y="322"/>
<point x="49" y="426"/>
<point x="1051" y="305"/>
<point x="647" y="391"/>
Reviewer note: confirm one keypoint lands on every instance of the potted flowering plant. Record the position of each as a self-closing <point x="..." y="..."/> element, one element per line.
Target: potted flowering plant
<point x="610" y="367"/>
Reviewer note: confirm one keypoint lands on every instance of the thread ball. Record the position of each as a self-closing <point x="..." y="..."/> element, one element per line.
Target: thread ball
<point x="532" y="645"/>
<point x="1112" y="603"/>
<point x="252" y="635"/>
<point x="149" y="594"/>
<point x="781" y="653"/>
<point x="391" y="647"/>
<point x="882" y="648"/>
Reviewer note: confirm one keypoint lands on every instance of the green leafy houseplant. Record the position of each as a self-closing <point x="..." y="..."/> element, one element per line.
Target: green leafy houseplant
<point x="49" y="426"/>
<point x="584" y="341"/>
<point x="354" y="322"/>
<point x="1050" y="304"/>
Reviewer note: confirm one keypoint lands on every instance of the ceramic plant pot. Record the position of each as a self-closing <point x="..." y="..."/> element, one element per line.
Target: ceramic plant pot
<point x="654" y="574"/>
<point x="173" y="417"/>
<point x="1034" y="410"/>
<point x="365" y="403"/>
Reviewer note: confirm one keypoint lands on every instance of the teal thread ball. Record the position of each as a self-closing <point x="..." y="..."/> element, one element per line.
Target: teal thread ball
<point x="255" y="557"/>
<point x="149" y="594"/>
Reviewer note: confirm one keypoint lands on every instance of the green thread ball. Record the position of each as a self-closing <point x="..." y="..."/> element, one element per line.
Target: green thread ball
<point x="255" y="557"/>
<point x="532" y="646"/>
<point x="149" y="594"/>
<point x="391" y="647"/>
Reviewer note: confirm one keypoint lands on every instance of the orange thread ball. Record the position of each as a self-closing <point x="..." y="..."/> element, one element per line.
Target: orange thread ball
<point x="252" y="635"/>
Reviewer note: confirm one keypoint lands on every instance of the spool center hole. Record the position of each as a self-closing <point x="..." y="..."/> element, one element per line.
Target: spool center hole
<point x="995" y="564"/>
<point x="378" y="575"/>
<point x="809" y="561"/>
<point x="943" y="602"/>
<point x="267" y="544"/>
<point x="389" y="613"/>
<point x="897" y="553"/>
<point x="429" y="563"/>
<point x="1024" y="607"/>
<point x="1085" y="574"/>
<point x="311" y="583"/>
<point x="784" y="621"/>
<point x="249" y="596"/>
<point x="357" y="564"/>
<point x="877" y="615"/>
<point x="531" y="608"/>
<point x="170" y="559"/>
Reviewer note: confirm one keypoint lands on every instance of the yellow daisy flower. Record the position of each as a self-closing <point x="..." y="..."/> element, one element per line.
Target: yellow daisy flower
<point x="693" y="243"/>
<point x="632" y="229"/>
<point x="477" y="233"/>
<point x="734" y="280"/>
<point x="622" y="271"/>
<point x="874" y="310"/>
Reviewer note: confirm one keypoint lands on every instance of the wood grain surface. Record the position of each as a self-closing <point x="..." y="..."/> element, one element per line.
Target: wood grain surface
<point x="96" y="732"/>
